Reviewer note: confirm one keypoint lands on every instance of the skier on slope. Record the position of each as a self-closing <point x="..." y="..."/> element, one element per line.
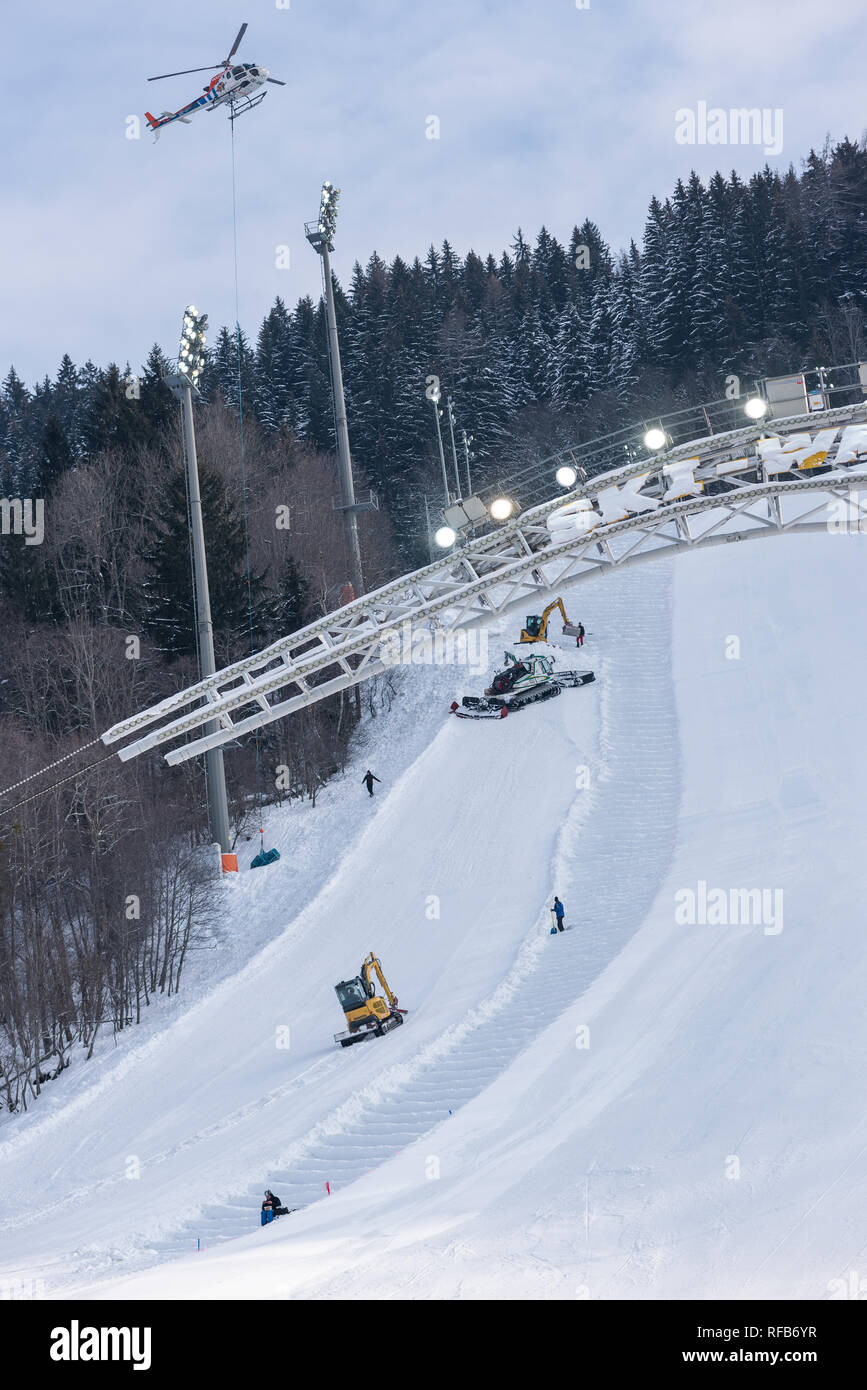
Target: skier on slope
<point x="368" y="779"/>
<point x="273" y="1204"/>
<point x="559" y="912"/>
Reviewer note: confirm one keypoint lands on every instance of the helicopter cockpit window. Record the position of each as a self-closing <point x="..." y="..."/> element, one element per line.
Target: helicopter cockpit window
<point x="237" y="72"/>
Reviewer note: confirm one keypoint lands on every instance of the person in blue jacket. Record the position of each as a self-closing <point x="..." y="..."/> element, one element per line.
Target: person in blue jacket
<point x="559" y="912"/>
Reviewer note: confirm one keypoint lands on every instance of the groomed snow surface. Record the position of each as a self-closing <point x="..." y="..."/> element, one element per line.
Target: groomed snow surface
<point x="643" y="1107"/>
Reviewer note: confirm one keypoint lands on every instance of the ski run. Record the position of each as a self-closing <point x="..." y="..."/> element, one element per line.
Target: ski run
<point x="663" y="1102"/>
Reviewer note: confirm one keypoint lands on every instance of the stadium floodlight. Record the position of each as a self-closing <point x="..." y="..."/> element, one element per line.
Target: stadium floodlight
<point x="501" y="508"/>
<point x="566" y="476"/>
<point x="328" y="200"/>
<point x="756" y="407"/>
<point x="320" y="233"/>
<point x="655" y="439"/>
<point x="445" y="537"/>
<point x="191" y="355"/>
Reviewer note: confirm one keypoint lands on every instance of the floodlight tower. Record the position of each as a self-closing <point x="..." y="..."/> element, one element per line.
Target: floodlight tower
<point x="320" y="234"/>
<point x="450" y="411"/>
<point x="468" y="439"/>
<point x="435" y="401"/>
<point x="183" y="384"/>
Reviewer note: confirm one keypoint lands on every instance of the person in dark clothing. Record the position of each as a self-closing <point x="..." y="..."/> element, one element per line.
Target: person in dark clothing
<point x="368" y="779"/>
<point x="272" y="1203"/>
<point x="579" y="640"/>
<point x="559" y="912"/>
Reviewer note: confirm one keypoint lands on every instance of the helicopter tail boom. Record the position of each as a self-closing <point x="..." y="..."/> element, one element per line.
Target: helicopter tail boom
<point x="157" y="122"/>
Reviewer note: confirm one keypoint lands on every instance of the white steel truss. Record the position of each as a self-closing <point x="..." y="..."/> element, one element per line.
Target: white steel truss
<point x="740" y="486"/>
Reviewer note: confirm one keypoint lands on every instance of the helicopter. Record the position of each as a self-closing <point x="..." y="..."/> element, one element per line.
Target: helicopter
<point x="233" y="86"/>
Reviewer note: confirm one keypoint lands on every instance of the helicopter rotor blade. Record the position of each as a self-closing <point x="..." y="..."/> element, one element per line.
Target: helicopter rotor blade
<point x="276" y="81"/>
<point x="212" y="68"/>
<point x="232" y="51"/>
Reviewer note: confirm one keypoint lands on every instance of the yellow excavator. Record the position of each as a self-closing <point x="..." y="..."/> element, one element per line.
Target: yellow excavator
<point x="537" y="627"/>
<point x="367" y="1013"/>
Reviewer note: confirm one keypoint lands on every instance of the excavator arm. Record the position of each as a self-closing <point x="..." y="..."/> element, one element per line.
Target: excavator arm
<point x="558" y="603"/>
<point x="372" y="964"/>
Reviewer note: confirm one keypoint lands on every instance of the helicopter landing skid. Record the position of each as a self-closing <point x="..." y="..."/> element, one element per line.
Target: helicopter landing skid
<point x="237" y="108"/>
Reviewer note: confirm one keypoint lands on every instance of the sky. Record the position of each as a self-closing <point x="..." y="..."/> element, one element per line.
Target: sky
<point x="547" y="113"/>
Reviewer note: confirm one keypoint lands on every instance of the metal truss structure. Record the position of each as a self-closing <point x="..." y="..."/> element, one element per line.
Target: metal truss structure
<point x="529" y="482"/>
<point x="732" y="487"/>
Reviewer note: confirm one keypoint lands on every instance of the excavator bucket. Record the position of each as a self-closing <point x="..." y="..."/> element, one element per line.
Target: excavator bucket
<point x="570" y="630"/>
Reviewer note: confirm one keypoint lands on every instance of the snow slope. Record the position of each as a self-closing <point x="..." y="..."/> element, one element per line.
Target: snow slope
<point x="710" y="1138"/>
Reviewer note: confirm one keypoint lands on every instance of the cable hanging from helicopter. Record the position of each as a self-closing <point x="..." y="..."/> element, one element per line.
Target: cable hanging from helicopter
<point x="232" y="85"/>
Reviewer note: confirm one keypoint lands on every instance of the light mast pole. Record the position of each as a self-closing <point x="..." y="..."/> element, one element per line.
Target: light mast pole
<point x="320" y="234"/>
<point x="183" y="383"/>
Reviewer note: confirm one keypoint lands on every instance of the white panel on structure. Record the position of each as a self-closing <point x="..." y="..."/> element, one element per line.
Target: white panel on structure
<point x="456" y="517"/>
<point x="576" y="518"/>
<point x="475" y="510"/>
<point x="786" y="395"/>
<point x="853" y="444"/>
<point x="682" y="479"/>
<point x="616" y="503"/>
<point x="734" y="466"/>
<point x="802" y="451"/>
